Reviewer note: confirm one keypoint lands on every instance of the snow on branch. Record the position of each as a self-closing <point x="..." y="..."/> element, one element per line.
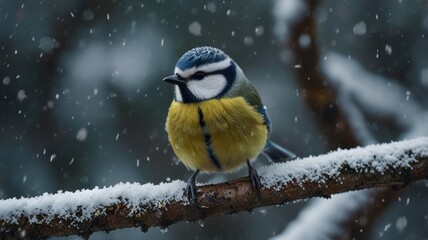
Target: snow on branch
<point x="135" y="205"/>
<point x="342" y="205"/>
<point x="287" y="13"/>
<point x="363" y="93"/>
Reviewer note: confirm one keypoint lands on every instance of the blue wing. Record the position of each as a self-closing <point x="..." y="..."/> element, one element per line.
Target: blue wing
<point x="273" y="151"/>
<point x="262" y="110"/>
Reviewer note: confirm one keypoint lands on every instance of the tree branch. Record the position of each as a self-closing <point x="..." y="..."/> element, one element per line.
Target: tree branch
<point x="342" y="124"/>
<point x="319" y="95"/>
<point x="148" y="205"/>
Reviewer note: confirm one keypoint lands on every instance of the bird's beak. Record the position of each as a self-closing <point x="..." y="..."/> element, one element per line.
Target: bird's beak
<point x="173" y="79"/>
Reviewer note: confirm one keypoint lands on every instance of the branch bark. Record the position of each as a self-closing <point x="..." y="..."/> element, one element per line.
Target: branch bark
<point x="346" y="170"/>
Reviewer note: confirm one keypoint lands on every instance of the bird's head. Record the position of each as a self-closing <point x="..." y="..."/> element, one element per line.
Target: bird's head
<point x="203" y="73"/>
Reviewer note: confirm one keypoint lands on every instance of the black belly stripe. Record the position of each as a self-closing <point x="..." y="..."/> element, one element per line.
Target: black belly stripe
<point x="207" y="137"/>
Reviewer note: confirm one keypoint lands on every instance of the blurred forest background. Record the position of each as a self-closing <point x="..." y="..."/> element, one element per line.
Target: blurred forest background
<point x="82" y="102"/>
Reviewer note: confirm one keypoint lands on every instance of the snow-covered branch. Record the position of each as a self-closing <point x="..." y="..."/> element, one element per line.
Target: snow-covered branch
<point x="332" y="223"/>
<point x="329" y="86"/>
<point x="361" y="93"/>
<point x="135" y="205"/>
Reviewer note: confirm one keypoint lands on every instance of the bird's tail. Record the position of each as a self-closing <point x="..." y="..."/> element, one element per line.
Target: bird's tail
<point x="276" y="153"/>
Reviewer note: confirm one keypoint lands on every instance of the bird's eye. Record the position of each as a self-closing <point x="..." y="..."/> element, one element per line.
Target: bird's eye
<point x="199" y="75"/>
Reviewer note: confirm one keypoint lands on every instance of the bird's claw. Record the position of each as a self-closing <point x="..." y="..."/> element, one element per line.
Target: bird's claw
<point x="254" y="178"/>
<point x="190" y="191"/>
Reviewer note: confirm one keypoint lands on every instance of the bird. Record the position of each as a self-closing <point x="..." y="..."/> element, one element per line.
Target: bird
<point x="217" y="121"/>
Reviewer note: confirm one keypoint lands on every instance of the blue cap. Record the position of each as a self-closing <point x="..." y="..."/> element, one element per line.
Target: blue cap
<point x="199" y="56"/>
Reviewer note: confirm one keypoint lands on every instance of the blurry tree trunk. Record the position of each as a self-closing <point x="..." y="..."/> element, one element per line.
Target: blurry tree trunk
<point x="320" y="97"/>
<point x="322" y="100"/>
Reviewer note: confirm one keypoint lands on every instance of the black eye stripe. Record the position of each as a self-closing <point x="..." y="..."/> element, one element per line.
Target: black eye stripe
<point x="179" y="76"/>
<point x="229" y="73"/>
<point x="199" y="75"/>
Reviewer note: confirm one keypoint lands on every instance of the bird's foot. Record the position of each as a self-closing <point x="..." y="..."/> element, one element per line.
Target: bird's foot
<point x="191" y="189"/>
<point x="254" y="178"/>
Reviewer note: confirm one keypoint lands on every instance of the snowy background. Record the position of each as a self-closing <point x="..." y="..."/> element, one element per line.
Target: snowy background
<point x="83" y="105"/>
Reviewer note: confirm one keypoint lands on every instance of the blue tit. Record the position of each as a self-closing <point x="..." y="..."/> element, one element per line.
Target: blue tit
<point x="217" y="121"/>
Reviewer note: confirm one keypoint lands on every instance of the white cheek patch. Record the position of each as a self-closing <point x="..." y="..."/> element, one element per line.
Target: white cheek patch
<point x="207" y="88"/>
<point x="178" y="96"/>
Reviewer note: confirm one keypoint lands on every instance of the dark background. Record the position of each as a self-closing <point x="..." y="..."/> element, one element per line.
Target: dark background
<point x="82" y="102"/>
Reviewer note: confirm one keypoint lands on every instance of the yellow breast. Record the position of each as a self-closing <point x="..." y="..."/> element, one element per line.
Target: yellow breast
<point x="216" y="135"/>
